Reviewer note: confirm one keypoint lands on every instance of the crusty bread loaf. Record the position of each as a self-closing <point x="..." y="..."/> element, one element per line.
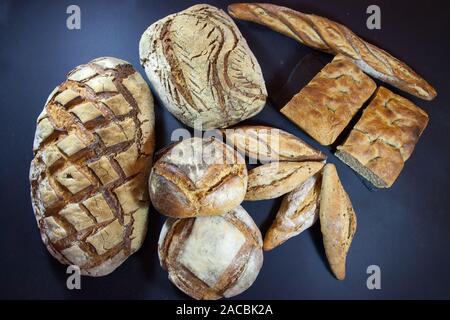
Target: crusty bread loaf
<point x="275" y="179"/>
<point x="202" y="68"/>
<point x="328" y="36"/>
<point x="299" y="210"/>
<point x="198" y="177"/>
<point x="337" y="220"/>
<point x="264" y="143"/>
<point x="212" y="257"/>
<point x="93" y="149"/>
<point x="384" y="138"/>
<point x="325" y="106"/>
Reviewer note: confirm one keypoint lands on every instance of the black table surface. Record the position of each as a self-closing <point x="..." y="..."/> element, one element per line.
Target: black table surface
<point x="404" y="230"/>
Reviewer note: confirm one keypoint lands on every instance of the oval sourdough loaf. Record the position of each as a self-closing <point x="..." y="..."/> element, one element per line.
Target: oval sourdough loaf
<point x="202" y="68"/>
<point x="92" y="154"/>
<point x="212" y="257"/>
<point x="198" y="177"/>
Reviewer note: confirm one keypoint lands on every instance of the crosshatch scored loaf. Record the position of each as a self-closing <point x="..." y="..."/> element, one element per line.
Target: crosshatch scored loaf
<point x="92" y="154"/>
<point x="202" y="68"/>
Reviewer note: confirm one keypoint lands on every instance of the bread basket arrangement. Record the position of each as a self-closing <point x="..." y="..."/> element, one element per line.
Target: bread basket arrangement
<point x="94" y="173"/>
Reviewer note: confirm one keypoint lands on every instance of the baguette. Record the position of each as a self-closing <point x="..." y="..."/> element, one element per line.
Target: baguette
<point x="275" y="179"/>
<point x="331" y="37"/>
<point x="299" y="210"/>
<point x="337" y="220"/>
<point x="270" y="144"/>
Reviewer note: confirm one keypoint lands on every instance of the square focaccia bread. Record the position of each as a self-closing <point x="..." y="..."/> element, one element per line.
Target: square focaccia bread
<point x="384" y="138"/>
<point x="92" y="155"/>
<point x="325" y="106"/>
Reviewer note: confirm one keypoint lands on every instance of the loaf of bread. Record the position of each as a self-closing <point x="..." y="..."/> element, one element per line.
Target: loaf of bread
<point x="384" y="138"/>
<point x="92" y="155"/>
<point x="212" y="257"/>
<point x="337" y="220"/>
<point x="198" y="177"/>
<point x="325" y="106"/>
<point x="331" y="37"/>
<point x="264" y="143"/>
<point x="272" y="180"/>
<point x="202" y="68"/>
<point x="299" y="210"/>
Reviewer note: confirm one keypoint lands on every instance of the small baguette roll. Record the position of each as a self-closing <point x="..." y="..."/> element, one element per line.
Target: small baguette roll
<point x="337" y="220"/>
<point x="270" y="144"/>
<point x="275" y="179"/>
<point x="299" y="210"/>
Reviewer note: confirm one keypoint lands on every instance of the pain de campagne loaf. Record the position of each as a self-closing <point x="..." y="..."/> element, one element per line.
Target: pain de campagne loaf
<point x="212" y="257"/>
<point x="331" y="37"/>
<point x="198" y="177"/>
<point x="202" y="68"/>
<point x="92" y="155"/>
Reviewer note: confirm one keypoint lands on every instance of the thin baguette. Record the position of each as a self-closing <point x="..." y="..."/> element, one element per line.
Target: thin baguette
<point x="331" y="37"/>
<point x="337" y="220"/>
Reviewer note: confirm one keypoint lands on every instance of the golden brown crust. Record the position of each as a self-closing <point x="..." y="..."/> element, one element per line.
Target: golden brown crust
<point x="89" y="173"/>
<point x="325" y="106"/>
<point x="198" y="177"/>
<point x="275" y="179"/>
<point x="385" y="136"/>
<point x="211" y="257"/>
<point x="265" y="143"/>
<point x="202" y="68"/>
<point x="337" y="220"/>
<point x="329" y="36"/>
<point x="299" y="210"/>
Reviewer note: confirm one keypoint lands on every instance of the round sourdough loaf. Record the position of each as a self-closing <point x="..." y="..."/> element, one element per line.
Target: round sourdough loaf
<point x="202" y="68"/>
<point x="198" y="177"/>
<point x="92" y="155"/>
<point x="212" y="257"/>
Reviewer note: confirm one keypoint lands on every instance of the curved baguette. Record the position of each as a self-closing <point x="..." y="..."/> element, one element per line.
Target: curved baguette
<point x="326" y="35"/>
<point x="337" y="220"/>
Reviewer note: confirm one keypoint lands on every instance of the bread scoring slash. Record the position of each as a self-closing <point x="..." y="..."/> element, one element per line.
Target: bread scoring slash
<point x="202" y="68"/>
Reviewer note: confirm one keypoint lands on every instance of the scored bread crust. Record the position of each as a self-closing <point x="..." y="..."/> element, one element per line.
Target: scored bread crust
<point x="272" y="180"/>
<point x="198" y="177"/>
<point x="325" y="106"/>
<point x="92" y="155"/>
<point x="337" y="220"/>
<point x="265" y="143"/>
<point x="384" y="138"/>
<point x="202" y="68"/>
<point x="299" y="210"/>
<point x="212" y="257"/>
<point x="331" y="37"/>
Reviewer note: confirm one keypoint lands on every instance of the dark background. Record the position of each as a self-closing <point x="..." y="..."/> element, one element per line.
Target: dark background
<point x="405" y="230"/>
